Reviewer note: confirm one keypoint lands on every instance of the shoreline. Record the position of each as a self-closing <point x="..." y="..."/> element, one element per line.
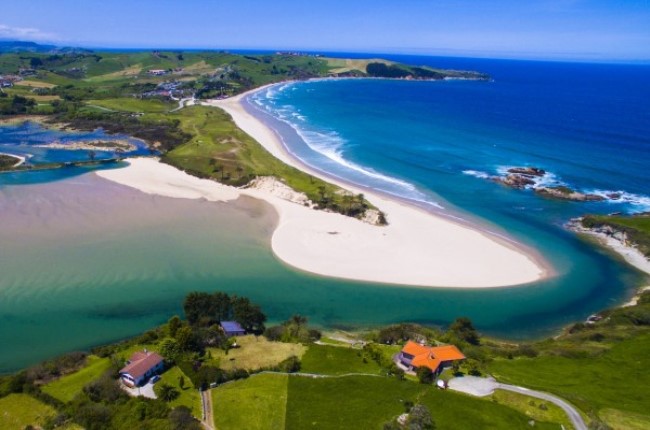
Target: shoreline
<point x="417" y="248"/>
<point x="272" y="142"/>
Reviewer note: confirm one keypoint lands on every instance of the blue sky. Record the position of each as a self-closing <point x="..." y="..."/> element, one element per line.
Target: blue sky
<point x="545" y="29"/>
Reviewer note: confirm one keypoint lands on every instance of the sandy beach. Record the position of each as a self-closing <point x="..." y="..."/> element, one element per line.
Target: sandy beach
<point x="416" y="248"/>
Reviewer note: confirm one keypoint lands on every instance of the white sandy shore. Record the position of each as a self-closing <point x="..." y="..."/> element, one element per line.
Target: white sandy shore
<point x="416" y="248"/>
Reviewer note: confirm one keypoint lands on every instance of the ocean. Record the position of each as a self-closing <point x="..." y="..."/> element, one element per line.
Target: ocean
<point x="86" y="262"/>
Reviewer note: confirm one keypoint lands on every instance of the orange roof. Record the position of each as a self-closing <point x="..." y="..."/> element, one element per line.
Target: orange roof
<point x="415" y="348"/>
<point x="431" y="356"/>
<point x="447" y="353"/>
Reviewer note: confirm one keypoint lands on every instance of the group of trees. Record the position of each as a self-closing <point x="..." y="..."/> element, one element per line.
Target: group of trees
<point x="16" y="105"/>
<point x="204" y="309"/>
<point x="295" y="329"/>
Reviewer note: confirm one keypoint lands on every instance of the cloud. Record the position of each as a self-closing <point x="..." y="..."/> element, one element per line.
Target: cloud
<point x="25" y="33"/>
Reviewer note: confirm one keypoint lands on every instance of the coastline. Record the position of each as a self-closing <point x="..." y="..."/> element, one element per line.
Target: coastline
<point x="417" y="248"/>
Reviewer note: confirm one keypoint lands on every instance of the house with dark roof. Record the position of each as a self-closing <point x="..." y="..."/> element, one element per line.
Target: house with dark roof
<point x="140" y="367"/>
<point x="232" y="328"/>
<point x="437" y="358"/>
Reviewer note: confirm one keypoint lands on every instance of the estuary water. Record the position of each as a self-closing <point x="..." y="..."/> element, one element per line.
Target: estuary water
<point x="85" y="261"/>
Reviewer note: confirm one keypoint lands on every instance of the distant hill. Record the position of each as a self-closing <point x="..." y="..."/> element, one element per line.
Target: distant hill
<point x="16" y="46"/>
<point x="19" y="46"/>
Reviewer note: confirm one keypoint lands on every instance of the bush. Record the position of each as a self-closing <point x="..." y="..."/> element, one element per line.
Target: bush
<point x="425" y="375"/>
<point x="290" y="365"/>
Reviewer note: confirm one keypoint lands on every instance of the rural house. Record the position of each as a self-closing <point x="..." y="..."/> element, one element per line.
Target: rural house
<point x="232" y="328"/>
<point x="436" y="358"/>
<point x="140" y="367"/>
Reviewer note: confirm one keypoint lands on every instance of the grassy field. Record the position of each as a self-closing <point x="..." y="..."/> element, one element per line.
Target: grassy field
<point x="130" y="104"/>
<point x="337" y="360"/>
<point x="616" y="378"/>
<point x="189" y="395"/>
<point x="536" y="409"/>
<point x="68" y="386"/>
<point x="359" y="402"/>
<point x="20" y="410"/>
<point x="255" y="353"/>
<point x="257" y="403"/>
<point x="342" y="65"/>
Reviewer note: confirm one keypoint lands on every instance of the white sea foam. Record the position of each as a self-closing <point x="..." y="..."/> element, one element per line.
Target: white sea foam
<point x="330" y="144"/>
<point x="640" y="202"/>
<point x="477" y="174"/>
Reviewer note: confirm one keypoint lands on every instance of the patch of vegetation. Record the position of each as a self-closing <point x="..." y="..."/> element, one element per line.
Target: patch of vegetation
<point x="254" y="353"/>
<point x="17" y="411"/>
<point x="219" y="150"/>
<point x="256" y="403"/>
<point x="537" y="409"/>
<point x="636" y="227"/>
<point x="337" y="360"/>
<point x="368" y="402"/>
<point x="188" y="395"/>
<point x="7" y="161"/>
<point x="294" y="330"/>
<point x="68" y="386"/>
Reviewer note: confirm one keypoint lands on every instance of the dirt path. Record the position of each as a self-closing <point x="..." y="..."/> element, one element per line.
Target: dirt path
<point x="206" y="404"/>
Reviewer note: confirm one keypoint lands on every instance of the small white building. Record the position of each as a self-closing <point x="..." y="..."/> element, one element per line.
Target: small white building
<point x="140" y="367"/>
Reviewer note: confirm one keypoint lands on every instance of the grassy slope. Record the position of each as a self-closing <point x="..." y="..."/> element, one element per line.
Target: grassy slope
<point x="360" y="402"/>
<point x="636" y="227"/>
<point x="257" y="403"/>
<point x="20" y="410"/>
<point x="220" y="150"/>
<point x="364" y="402"/>
<point x="68" y="386"/>
<point x="536" y="409"/>
<point x="617" y="378"/>
<point x="336" y="360"/>
<point x="189" y="396"/>
<point x="255" y="353"/>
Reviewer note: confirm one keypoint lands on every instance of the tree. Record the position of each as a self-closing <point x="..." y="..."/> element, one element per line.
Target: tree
<point x="185" y="338"/>
<point x="424" y="374"/>
<point x="170" y="350"/>
<point x="197" y="305"/>
<point x="181" y="419"/>
<point x="419" y="418"/>
<point x="247" y="314"/>
<point x="464" y="329"/>
<point x="173" y="325"/>
<point x="166" y="392"/>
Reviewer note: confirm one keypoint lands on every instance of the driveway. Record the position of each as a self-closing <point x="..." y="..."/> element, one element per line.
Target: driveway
<point x="485" y="386"/>
<point x="144" y="391"/>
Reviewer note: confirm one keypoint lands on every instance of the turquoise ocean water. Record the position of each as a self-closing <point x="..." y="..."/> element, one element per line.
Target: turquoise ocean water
<point x="115" y="268"/>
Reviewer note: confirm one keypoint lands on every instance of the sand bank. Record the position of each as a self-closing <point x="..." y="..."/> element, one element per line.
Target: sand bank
<point x="416" y="248"/>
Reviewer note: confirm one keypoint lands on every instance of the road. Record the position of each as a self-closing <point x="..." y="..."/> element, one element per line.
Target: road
<point x="485" y="386"/>
<point x="206" y="404"/>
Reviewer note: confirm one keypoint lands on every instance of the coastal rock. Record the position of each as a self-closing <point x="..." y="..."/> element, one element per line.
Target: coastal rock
<point x="520" y="177"/>
<point x="514" y="180"/>
<point x="566" y="193"/>
<point x="527" y="171"/>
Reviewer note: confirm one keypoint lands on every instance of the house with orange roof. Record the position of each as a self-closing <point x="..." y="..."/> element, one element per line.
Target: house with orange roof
<point x="415" y="355"/>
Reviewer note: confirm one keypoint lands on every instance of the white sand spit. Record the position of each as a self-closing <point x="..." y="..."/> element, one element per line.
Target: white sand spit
<point x="416" y="248"/>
